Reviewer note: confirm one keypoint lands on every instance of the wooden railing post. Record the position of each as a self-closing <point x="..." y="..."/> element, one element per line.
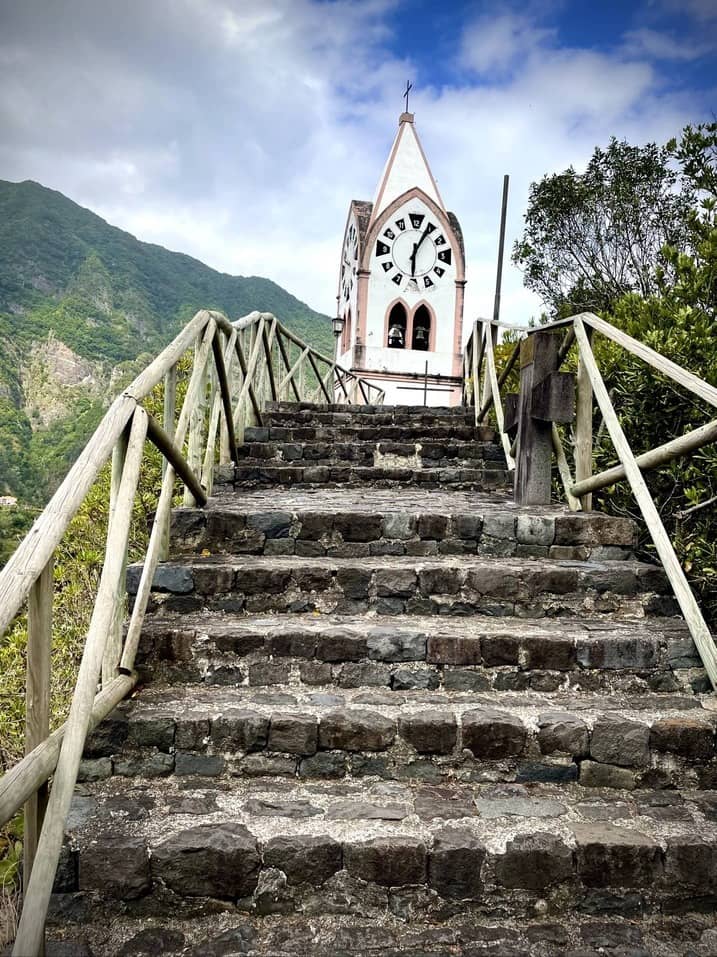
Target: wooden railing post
<point x="113" y="648"/>
<point x="37" y="704"/>
<point x="170" y="401"/>
<point x="196" y="428"/>
<point x="584" y="428"/>
<point x="546" y="396"/>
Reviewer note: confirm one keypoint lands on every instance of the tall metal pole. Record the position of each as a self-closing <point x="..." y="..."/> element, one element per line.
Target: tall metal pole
<point x="501" y="247"/>
<point x="498" y="282"/>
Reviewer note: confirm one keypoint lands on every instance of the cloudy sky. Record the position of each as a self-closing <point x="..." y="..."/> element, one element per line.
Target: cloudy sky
<point x="238" y="130"/>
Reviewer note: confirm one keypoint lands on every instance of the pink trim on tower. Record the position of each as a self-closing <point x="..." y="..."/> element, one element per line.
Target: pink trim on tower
<point x="458" y="328"/>
<point x="361" y="304"/>
<point x="432" y="330"/>
<point x="440" y="214"/>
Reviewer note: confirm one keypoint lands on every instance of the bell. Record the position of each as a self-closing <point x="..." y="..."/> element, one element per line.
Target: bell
<point x="420" y="335"/>
<point x="395" y="337"/>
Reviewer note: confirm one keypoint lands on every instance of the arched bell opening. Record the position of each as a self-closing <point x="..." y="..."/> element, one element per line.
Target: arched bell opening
<point x="421" y="329"/>
<point x="397" y="324"/>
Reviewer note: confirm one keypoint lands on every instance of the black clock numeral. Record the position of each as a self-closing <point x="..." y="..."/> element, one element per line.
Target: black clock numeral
<point x="390" y="233"/>
<point x="445" y="256"/>
<point x="430" y="228"/>
<point x="398" y="278"/>
<point x="401" y="223"/>
<point x="387" y="266"/>
<point x="439" y="241"/>
<point x="438" y="271"/>
<point x="382" y="249"/>
<point x="427" y="282"/>
<point x="416" y="220"/>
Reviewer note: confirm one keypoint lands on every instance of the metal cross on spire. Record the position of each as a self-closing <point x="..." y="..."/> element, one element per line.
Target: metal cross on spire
<point x="409" y="87"/>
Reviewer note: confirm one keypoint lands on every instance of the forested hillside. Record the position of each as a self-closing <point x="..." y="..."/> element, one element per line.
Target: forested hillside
<point x="83" y="305"/>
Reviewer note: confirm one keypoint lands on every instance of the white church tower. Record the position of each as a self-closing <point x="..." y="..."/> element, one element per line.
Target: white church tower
<point x="402" y="280"/>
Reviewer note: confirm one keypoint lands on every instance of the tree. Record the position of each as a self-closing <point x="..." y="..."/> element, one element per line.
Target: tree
<point x="592" y="237"/>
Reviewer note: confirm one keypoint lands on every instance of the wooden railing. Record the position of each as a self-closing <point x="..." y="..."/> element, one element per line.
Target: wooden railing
<point x="236" y="369"/>
<point x="528" y="422"/>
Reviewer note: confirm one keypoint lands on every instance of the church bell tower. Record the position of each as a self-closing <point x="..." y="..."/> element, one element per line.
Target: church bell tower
<point x="401" y="285"/>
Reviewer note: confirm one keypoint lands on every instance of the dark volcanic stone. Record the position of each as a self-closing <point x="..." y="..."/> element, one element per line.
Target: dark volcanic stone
<point x="689" y="737"/>
<point x="453" y="650"/>
<point x="303" y="858"/>
<point x="430" y="732"/>
<point x="240" y="731"/>
<point x="152" y="941"/>
<point x="455" y="863"/>
<point x="293" y="733"/>
<point x="354" y="730"/>
<point x="618" y="741"/>
<point x="108" y="737"/>
<point x="118" y="866"/>
<point x="208" y="765"/>
<point x="232" y="942"/>
<point x="493" y="734"/>
<point x="534" y="861"/>
<point x="562" y="732"/>
<point x="272" y="524"/>
<point x="390" y="861"/>
<point x="616" y="856"/>
<point x="212" y="860"/>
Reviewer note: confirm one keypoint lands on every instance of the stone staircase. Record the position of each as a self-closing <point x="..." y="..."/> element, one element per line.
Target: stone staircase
<point x="385" y="711"/>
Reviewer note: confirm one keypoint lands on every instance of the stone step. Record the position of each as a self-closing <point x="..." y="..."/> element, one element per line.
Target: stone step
<point x="393" y="585"/>
<point x="389" y="453"/>
<point x="304" y="412"/>
<point x="402" y="932"/>
<point x="386" y="849"/>
<point x="476" y="653"/>
<point x="391" y="432"/>
<point x="489" y="476"/>
<point x="423" y="524"/>
<point x="614" y="740"/>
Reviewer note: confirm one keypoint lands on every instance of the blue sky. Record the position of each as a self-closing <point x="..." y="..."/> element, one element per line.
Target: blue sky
<point x="239" y="130"/>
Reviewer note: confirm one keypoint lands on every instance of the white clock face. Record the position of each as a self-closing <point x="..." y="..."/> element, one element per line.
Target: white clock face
<point x="349" y="262"/>
<point x="413" y="249"/>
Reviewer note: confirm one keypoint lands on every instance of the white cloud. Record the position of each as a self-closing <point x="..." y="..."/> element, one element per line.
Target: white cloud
<point x="238" y="131"/>
<point x="665" y="46"/>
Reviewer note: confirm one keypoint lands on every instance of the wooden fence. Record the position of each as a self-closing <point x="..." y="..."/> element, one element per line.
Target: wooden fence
<point x="529" y="434"/>
<point x="237" y="368"/>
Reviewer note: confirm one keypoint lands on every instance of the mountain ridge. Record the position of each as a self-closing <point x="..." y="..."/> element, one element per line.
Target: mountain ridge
<point x="111" y="300"/>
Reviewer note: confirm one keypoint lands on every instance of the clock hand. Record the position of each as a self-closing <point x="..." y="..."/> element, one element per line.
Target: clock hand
<point x="423" y="236"/>
<point x="413" y="260"/>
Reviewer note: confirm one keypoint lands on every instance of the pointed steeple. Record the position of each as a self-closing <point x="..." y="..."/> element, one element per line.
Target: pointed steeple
<point x="406" y="168"/>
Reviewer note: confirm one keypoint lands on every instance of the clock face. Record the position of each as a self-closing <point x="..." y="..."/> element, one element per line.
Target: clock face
<point x="349" y="262"/>
<point x="412" y="249"/>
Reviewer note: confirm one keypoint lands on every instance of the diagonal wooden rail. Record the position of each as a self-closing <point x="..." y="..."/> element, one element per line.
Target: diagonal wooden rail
<point x="579" y="331"/>
<point x="237" y="368"/>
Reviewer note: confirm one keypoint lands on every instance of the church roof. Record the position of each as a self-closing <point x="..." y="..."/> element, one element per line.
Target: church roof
<point x="363" y="209"/>
<point x="405" y="168"/>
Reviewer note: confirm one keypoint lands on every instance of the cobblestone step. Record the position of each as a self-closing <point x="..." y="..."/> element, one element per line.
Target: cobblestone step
<point x="413" y="652"/>
<point x="429" y="524"/>
<point x="618" y="740"/>
<point x="455" y="476"/>
<point x="278" y="934"/>
<point x="383" y="849"/>
<point x="429" y="453"/>
<point x="394" y="585"/>
<point x="367" y="430"/>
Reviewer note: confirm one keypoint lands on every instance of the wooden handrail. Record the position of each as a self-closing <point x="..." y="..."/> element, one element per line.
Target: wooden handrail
<point x="123" y="434"/>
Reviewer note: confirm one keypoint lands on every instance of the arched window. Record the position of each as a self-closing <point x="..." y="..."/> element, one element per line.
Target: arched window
<point x="421" y="337"/>
<point x="346" y="332"/>
<point x="397" y="322"/>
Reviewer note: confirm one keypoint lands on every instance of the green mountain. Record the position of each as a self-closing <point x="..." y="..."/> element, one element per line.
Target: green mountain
<point x="83" y="305"/>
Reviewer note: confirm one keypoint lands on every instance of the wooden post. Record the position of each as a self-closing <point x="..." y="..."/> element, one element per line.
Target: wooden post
<point x="584" y="428"/>
<point x="545" y="397"/>
<point x="37" y="704"/>
<point x="196" y="429"/>
<point x="113" y="648"/>
<point x="170" y="401"/>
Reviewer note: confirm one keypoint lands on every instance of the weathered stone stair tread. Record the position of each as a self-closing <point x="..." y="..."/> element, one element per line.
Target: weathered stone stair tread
<point x="370" y="431"/>
<point x="455" y="584"/>
<point x="321" y="449"/>
<point x="483" y="846"/>
<point x="339" y="935"/>
<point x="319" y="472"/>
